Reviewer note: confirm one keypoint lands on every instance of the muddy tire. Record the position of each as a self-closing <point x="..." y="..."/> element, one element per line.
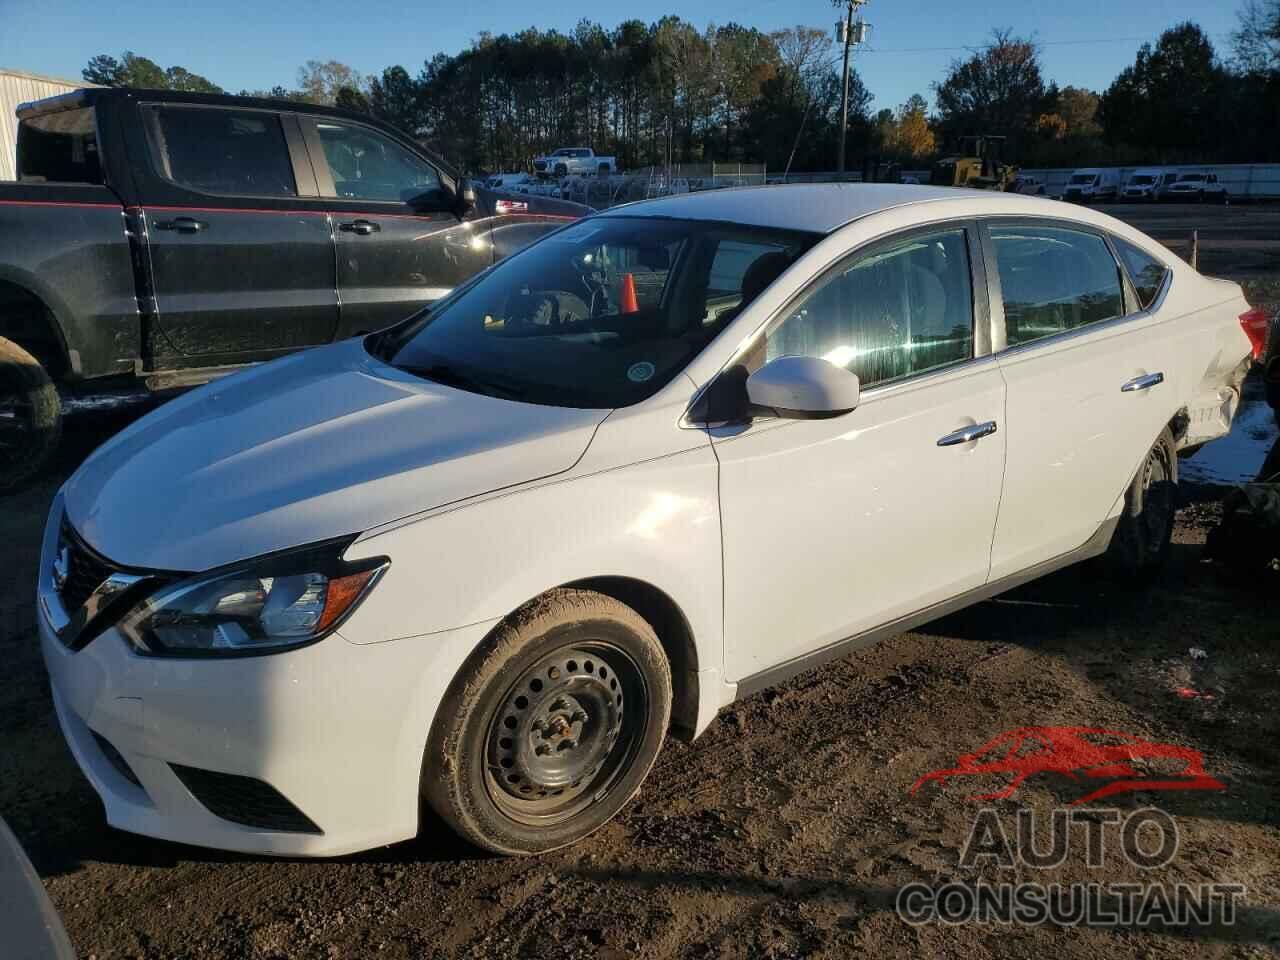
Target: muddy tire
<point x="30" y="416"/>
<point x="1140" y="545"/>
<point x="551" y="726"/>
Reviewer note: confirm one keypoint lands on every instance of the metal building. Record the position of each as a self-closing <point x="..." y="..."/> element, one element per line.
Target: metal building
<point x="18" y="87"/>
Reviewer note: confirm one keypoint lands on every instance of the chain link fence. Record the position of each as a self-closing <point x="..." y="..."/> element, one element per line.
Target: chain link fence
<point x="658" y="181"/>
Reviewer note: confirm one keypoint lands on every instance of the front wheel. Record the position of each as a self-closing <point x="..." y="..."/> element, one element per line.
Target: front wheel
<point x="1140" y="545"/>
<point x="552" y="725"/>
<point x="30" y="416"/>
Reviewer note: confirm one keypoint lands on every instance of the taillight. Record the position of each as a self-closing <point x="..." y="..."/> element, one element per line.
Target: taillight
<point x="1255" y="328"/>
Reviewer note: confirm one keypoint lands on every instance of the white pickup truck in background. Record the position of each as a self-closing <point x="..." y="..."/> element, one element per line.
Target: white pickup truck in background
<point x="571" y="160"/>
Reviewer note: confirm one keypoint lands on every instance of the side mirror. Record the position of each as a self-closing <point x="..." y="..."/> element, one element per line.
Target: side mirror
<point x="802" y="388"/>
<point x="466" y="198"/>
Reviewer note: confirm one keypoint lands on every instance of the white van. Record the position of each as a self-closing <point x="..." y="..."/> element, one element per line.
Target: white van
<point x="1092" y="184"/>
<point x="1146" y="183"/>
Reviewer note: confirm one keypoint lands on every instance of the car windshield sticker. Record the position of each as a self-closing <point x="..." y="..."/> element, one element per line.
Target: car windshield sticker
<point x="640" y="372"/>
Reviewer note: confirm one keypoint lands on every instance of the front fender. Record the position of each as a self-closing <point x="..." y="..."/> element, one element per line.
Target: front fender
<point x="657" y="522"/>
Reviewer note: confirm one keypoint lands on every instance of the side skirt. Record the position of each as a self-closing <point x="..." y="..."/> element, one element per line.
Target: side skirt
<point x="1094" y="546"/>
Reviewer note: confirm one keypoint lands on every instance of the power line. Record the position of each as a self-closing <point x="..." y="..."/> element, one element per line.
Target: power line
<point x="1041" y="43"/>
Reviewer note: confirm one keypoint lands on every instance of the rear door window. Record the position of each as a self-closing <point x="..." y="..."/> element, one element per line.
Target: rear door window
<point x="1054" y="280"/>
<point x="224" y="152"/>
<point x="59" y="147"/>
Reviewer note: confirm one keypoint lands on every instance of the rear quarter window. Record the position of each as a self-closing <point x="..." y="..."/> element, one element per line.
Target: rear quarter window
<point x="59" y="147"/>
<point x="1145" y="271"/>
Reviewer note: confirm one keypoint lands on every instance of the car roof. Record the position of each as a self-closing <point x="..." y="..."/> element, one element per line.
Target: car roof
<point x="815" y="207"/>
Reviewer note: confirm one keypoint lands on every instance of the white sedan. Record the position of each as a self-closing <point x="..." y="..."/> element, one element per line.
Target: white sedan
<point x="659" y="460"/>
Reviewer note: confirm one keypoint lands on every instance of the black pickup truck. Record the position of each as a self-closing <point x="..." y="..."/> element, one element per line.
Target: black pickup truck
<point x="160" y="239"/>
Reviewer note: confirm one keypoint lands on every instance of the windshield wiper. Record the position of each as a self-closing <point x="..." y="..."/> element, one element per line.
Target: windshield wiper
<point x="452" y="376"/>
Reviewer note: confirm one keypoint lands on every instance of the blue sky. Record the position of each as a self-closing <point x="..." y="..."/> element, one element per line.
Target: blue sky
<point x="239" y="44"/>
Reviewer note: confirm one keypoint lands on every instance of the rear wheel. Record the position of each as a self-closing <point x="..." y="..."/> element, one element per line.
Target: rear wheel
<point x="1140" y="545"/>
<point x="30" y="416"/>
<point x="549" y="730"/>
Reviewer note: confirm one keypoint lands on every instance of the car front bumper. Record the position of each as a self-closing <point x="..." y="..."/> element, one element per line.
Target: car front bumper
<point x="336" y="730"/>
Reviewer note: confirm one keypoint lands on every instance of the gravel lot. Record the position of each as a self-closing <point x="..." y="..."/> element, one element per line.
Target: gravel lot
<point x="788" y="828"/>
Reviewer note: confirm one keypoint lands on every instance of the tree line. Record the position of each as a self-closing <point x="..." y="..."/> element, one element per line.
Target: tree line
<point x="670" y="92"/>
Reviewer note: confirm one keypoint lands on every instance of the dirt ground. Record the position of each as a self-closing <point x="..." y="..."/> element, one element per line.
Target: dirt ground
<point x="786" y="830"/>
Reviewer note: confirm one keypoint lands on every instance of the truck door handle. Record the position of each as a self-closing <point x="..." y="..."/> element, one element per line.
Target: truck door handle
<point x="1142" y="383"/>
<point x="968" y="434"/>
<point x="361" y="227"/>
<point x="182" y="225"/>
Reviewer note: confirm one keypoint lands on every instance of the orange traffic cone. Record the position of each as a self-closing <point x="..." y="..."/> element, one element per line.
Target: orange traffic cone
<point x="629" y="302"/>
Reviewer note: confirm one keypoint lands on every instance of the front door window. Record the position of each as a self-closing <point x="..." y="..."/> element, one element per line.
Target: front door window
<point x="368" y="166"/>
<point x="899" y="310"/>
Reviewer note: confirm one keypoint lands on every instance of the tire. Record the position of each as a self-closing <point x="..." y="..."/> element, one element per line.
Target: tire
<point x="602" y="170"/>
<point x="571" y="667"/>
<point x="1140" y="545"/>
<point x="30" y="416"/>
<point x="561" y="171"/>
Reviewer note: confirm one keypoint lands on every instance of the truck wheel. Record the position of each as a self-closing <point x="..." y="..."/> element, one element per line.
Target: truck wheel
<point x="30" y="416"/>
<point x="602" y="170"/>
<point x="1140" y="545"/>
<point x="551" y="726"/>
<point x="561" y="171"/>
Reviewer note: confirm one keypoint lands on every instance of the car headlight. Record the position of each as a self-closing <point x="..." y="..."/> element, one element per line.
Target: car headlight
<point x="267" y="605"/>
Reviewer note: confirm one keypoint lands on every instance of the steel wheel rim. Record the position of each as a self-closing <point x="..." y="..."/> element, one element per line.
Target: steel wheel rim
<point x="565" y="732"/>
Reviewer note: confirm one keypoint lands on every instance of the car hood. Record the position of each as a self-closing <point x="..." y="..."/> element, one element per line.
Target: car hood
<point x="322" y="444"/>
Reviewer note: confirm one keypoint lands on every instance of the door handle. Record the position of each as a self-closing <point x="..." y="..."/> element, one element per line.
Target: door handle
<point x="968" y="434"/>
<point x="361" y="227"/>
<point x="182" y="225"/>
<point x="1142" y="383"/>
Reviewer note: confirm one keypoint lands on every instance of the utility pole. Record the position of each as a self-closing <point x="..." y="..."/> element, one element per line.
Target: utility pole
<point x="848" y="33"/>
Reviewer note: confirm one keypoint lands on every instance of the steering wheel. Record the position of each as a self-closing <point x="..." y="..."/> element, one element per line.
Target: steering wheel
<point x="549" y="311"/>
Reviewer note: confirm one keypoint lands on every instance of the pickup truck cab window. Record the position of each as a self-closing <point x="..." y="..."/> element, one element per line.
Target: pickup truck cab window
<point x="59" y="147"/>
<point x="895" y="311"/>
<point x="1054" y="280"/>
<point x="368" y="166"/>
<point x="223" y="152"/>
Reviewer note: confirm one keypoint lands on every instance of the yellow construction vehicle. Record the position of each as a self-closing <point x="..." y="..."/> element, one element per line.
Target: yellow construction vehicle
<point x="978" y="165"/>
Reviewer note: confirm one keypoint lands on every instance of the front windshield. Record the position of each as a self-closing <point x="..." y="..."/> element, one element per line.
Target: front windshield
<point x="599" y="315"/>
<point x="1143" y="179"/>
<point x="1084" y="178"/>
<point x="1191" y="177"/>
